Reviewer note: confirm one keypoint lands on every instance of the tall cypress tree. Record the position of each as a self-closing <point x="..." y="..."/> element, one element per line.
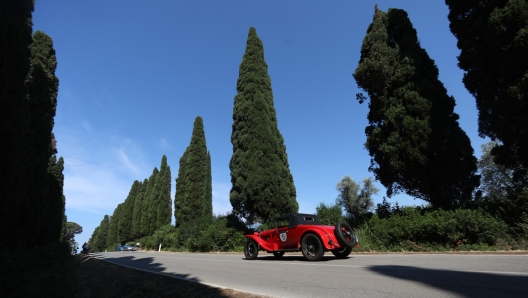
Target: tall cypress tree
<point x="493" y="44"/>
<point x="262" y="185"/>
<point x="148" y="218"/>
<point x="15" y="39"/>
<point x="46" y="207"/>
<point x="138" y="209"/>
<point x="208" y="190"/>
<point x="102" y="234"/>
<point x="193" y="190"/>
<point x="56" y="200"/>
<point x="125" y="222"/>
<point x="413" y="137"/>
<point x="164" y="210"/>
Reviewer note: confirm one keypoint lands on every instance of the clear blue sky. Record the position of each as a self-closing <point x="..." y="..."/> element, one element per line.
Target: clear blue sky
<point x="134" y="75"/>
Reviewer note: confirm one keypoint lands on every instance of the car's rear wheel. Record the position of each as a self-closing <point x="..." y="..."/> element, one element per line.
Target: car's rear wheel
<point x="311" y="247"/>
<point x="278" y="254"/>
<point x="251" y="249"/>
<point x="345" y="235"/>
<point x="343" y="253"/>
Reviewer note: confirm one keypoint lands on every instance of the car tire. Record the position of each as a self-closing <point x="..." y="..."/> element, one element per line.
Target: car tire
<point x="250" y="249"/>
<point x="342" y="254"/>
<point x="311" y="248"/>
<point x="345" y="235"/>
<point x="278" y="254"/>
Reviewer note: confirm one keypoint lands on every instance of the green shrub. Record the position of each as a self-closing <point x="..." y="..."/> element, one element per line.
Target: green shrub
<point x="219" y="237"/>
<point x="433" y="230"/>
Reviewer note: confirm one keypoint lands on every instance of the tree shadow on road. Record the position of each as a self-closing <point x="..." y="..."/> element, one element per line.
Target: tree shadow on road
<point x="108" y="278"/>
<point x="461" y="283"/>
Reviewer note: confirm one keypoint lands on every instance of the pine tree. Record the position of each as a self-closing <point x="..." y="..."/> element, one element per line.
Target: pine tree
<point x="193" y="184"/>
<point x="493" y="44"/>
<point x="262" y="185"/>
<point x="164" y="211"/>
<point x="413" y="137"/>
<point x="15" y="40"/>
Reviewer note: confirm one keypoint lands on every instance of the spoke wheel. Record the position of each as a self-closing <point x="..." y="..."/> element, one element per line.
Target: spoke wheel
<point x="250" y="250"/>
<point x="345" y="235"/>
<point x="311" y="247"/>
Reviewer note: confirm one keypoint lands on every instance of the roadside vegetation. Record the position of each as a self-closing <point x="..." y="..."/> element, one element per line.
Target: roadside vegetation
<point x="413" y="138"/>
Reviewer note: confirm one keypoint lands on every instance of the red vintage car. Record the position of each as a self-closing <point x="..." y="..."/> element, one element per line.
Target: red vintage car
<point x="302" y="232"/>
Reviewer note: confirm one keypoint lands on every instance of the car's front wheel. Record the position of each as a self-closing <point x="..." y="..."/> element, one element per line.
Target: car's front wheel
<point x="311" y="247"/>
<point x="250" y="250"/>
<point x="343" y="253"/>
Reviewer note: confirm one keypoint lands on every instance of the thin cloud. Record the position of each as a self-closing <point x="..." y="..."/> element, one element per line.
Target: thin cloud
<point x="125" y="160"/>
<point x="164" y="144"/>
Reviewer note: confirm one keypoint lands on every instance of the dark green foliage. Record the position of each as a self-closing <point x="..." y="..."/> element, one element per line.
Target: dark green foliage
<point x="99" y="241"/>
<point x="56" y="202"/>
<point x="190" y="232"/>
<point x="45" y="208"/>
<point x="15" y="40"/>
<point x="147" y="227"/>
<point x="164" y="202"/>
<point x="493" y="42"/>
<point x="219" y="236"/>
<point x="262" y="185"/>
<point x="437" y="228"/>
<point x="125" y="220"/>
<point x="138" y="209"/>
<point x="413" y="137"/>
<point x="113" y="228"/>
<point x="72" y="229"/>
<point x="208" y="190"/>
<point x="329" y="215"/>
<point x="503" y="190"/>
<point x="385" y="209"/>
<point x="193" y="197"/>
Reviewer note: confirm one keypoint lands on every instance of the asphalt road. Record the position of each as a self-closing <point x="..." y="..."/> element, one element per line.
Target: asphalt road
<point x="372" y="275"/>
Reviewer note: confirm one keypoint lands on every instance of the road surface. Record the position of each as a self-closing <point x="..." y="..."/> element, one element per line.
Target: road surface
<point x="363" y="275"/>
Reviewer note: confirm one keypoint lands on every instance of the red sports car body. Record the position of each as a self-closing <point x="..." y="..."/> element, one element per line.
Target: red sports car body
<point x="302" y="232"/>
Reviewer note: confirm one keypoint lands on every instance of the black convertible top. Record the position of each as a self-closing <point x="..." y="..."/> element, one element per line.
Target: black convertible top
<point x="296" y="219"/>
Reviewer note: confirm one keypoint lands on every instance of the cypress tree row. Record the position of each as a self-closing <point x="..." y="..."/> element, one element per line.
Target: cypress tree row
<point x="15" y="40"/>
<point x="262" y="185"/>
<point x="193" y="197"/>
<point x="164" y="204"/>
<point x="413" y="137"/>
